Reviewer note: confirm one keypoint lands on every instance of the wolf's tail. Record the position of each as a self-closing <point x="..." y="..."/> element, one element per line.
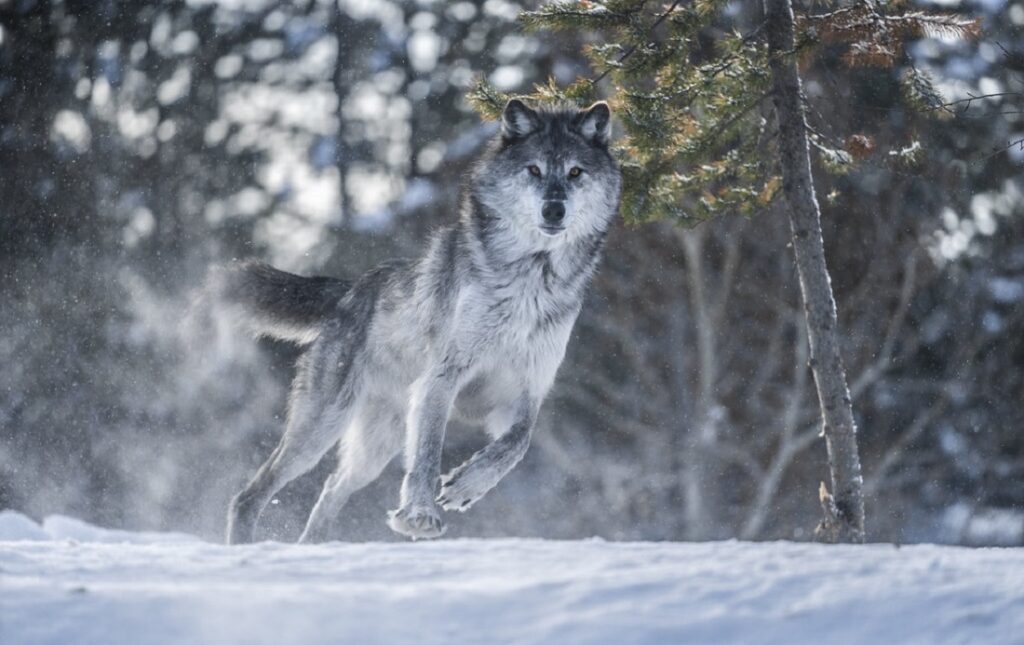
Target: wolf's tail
<point x="275" y="303"/>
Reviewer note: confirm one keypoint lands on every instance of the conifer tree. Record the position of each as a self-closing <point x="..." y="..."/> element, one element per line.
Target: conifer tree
<point x="700" y="141"/>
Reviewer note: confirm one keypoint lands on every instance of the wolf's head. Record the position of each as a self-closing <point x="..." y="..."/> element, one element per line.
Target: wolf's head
<point x="549" y="177"/>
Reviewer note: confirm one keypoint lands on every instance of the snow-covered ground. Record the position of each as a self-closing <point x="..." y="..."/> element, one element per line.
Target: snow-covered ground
<point x="68" y="582"/>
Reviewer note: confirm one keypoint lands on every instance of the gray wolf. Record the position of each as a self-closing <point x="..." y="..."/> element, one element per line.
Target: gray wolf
<point x="476" y="327"/>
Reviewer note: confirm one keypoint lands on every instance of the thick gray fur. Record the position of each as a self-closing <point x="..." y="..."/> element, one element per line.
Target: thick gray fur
<point x="476" y="327"/>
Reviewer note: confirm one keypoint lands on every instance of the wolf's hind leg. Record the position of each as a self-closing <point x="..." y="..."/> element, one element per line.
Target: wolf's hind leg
<point x="368" y="446"/>
<point x="311" y="432"/>
<point x="463" y="486"/>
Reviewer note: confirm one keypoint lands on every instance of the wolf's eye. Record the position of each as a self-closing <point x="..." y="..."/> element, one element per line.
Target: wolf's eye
<point x="575" y="172"/>
<point x="534" y="170"/>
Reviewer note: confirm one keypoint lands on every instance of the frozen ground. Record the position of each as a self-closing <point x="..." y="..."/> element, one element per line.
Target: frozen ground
<point x="68" y="582"/>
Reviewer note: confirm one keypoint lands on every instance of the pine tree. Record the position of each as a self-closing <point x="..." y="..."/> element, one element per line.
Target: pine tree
<point x="700" y="142"/>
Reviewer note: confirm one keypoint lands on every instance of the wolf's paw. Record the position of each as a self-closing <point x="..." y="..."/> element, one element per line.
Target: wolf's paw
<point x="463" y="487"/>
<point x="417" y="522"/>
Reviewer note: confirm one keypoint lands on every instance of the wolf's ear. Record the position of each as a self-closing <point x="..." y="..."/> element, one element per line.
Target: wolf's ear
<point x="595" y="124"/>
<point x="517" y="120"/>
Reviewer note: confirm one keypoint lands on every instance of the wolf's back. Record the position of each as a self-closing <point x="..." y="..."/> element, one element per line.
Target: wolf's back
<point x="276" y="303"/>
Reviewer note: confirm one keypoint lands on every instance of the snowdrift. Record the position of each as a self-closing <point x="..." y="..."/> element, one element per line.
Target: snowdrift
<point x="65" y="581"/>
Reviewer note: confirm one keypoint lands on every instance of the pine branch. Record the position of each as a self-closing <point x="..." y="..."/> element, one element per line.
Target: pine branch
<point x="486" y="100"/>
<point x="876" y="38"/>
<point x="724" y="126"/>
<point x="920" y="93"/>
<point x="931" y="25"/>
<point x="578" y="14"/>
<point x="971" y="98"/>
<point x="633" y="47"/>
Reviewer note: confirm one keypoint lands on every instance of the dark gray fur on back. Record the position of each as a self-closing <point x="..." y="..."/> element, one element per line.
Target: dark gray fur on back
<point x="476" y="326"/>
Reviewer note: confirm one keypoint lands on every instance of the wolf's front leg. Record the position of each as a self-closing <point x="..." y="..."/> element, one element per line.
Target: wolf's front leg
<point x="466" y="484"/>
<point x="419" y="515"/>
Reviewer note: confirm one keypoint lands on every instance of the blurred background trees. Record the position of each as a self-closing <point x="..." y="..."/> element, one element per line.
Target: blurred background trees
<point x="140" y="142"/>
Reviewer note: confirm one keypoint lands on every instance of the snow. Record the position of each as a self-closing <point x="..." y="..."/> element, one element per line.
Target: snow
<point x="68" y="582"/>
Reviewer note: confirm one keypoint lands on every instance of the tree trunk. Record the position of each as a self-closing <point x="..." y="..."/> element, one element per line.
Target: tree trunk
<point x="844" y="508"/>
<point x="343" y="28"/>
<point x="698" y="487"/>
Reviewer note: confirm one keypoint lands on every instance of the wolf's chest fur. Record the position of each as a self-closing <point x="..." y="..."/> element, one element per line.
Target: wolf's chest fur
<point x="530" y="300"/>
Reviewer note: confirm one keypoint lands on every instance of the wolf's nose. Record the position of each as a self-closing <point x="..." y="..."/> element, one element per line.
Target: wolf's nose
<point x="553" y="212"/>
